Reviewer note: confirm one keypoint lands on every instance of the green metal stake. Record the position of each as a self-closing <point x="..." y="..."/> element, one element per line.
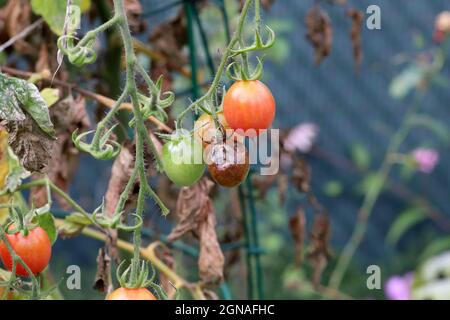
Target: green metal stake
<point x="247" y="244"/>
<point x="205" y="42"/>
<point x="255" y="240"/>
<point x="188" y="7"/>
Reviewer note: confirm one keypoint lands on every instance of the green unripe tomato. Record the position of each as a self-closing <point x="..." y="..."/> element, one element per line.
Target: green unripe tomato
<point x="182" y="159"/>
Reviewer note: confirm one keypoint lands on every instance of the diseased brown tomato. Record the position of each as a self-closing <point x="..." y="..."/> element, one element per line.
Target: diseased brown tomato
<point x="35" y="249"/>
<point x="249" y="105"/>
<point x="131" y="294"/>
<point x="228" y="163"/>
<point x="205" y="128"/>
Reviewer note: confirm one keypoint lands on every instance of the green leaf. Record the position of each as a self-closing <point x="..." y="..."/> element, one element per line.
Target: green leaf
<point x="370" y="183"/>
<point x="360" y="157"/>
<point x="16" y="173"/>
<point x="50" y="96"/>
<point x="406" y="81"/>
<point x="438" y="128"/>
<point x="73" y="225"/>
<point x="332" y="188"/>
<point x="435" y="247"/>
<point x="405" y="221"/>
<point x="54" y="11"/>
<point x="17" y="96"/>
<point x="47" y="222"/>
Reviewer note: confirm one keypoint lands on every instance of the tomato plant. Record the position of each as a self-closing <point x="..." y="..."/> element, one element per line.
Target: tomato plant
<point x="55" y="136"/>
<point x="182" y="159"/>
<point x="35" y="249"/>
<point x="131" y="294"/>
<point x="228" y="163"/>
<point x="249" y="105"/>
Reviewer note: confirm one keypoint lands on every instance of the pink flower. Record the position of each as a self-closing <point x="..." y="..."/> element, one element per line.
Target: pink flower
<point x="426" y="159"/>
<point x="399" y="287"/>
<point x="301" y="137"/>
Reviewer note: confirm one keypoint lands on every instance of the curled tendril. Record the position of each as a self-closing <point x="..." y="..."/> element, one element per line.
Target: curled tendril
<point x="78" y="55"/>
<point x="235" y="71"/>
<point x="114" y="222"/>
<point x="105" y="149"/>
<point x="258" y="44"/>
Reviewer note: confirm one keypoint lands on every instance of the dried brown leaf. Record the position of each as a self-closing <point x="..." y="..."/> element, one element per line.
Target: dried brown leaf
<point x="355" y="35"/>
<point x="16" y="17"/>
<point x="320" y="32"/>
<point x="120" y="175"/>
<point x="32" y="145"/>
<point x="301" y="175"/>
<point x="102" y="279"/>
<point x="195" y="213"/>
<point x="283" y="184"/>
<point x="192" y="209"/>
<point x="168" y="40"/>
<point x="297" y="226"/>
<point x="42" y="64"/>
<point x="67" y="115"/>
<point x="319" y="251"/>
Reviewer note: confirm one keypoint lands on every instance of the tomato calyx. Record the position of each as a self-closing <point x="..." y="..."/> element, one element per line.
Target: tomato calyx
<point x="237" y="72"/>
<point x="142" y="279"/>
<point x="114" y="222"/>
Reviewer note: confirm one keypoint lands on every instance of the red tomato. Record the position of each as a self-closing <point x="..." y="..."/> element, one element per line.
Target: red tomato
<point x="35" y="249"/>
<point x="249" y="105"/>
<point x="131" y="294"/>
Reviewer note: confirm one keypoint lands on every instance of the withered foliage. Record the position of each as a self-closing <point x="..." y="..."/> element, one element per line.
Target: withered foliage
<point x="32" y="145"/>
<point x="301" y="175"/>
<point x="195" y="214"/>
<point x="67" y="115"/>
<point x="14" y="17"/>
<point x="355" y="34"/>
<point x="320" y="32"/>
<point x="283" y="185"/>
<point x="102" y="281"/>
<point x="297" y="226"/>
<point x="168" y="40"/>
<point x="120" y="174"/>
<point x="319" y="251"/>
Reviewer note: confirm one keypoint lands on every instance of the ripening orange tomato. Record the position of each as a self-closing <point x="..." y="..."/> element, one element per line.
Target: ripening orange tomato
<point x="205" y="128"/>
<point x="249" y="105"/>
<point x="131" y="294"/>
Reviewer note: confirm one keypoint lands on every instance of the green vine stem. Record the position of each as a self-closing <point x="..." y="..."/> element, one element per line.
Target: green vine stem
<point x="372" y="196"/>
